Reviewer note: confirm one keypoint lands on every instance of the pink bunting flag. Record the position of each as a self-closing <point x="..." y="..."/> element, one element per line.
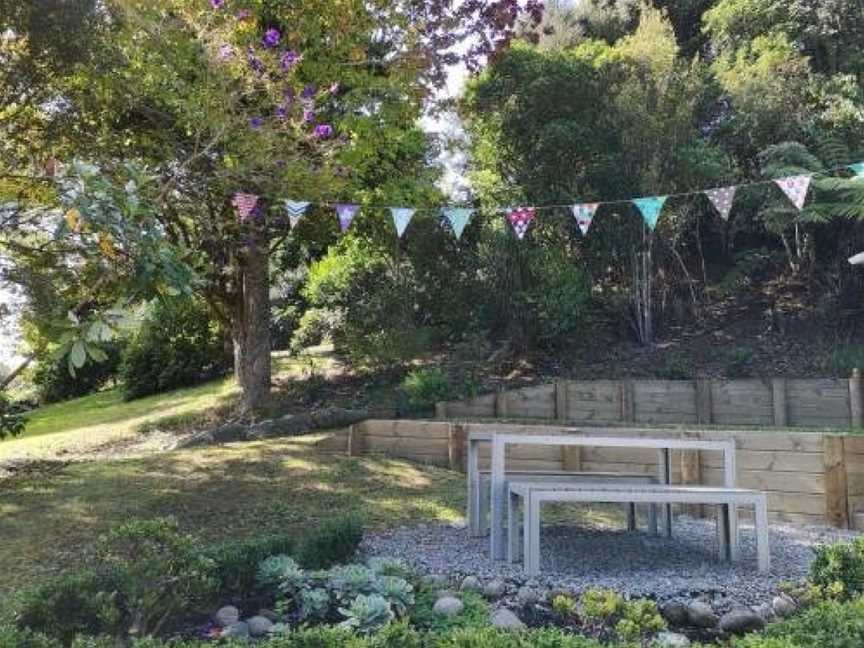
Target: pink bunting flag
<point x="795" y="188"/>
<point x="722" y="200"/>
<point x="584" y="215"/>
<point x="346" y="213"/>
<point x="521" y="219"/>
<point x="244" y="204"/>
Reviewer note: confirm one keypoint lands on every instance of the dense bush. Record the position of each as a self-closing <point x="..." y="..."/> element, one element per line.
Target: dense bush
<point x="177" y="345"/>
<point x="314" y="327"/>
<point x="827" y="625"/>
<point x="838" y="569"/>
<point x="54" y="382"/>
<point x="334" y="542"/>
<point x="11" y="422"/>
<point x="237" y="562"/>
<point x="425" y="387"/>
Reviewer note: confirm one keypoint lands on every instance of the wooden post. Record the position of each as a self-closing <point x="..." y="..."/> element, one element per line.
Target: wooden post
<point x="628" y="401"/>
<point x="704" y="409"/>
<point x="355" y="441"/>
<point x="561" y="400"/>
<point x="456" y="447"/>
<point x="781" y="411"/>
<point x="836" y="491"/>
<point x="441" y="411"/>
<point x="856" y="404"/>
<point x="501" y="404"/>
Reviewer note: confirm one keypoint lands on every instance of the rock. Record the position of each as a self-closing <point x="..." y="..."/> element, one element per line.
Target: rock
<point x="766" y="611"/>
<point x="471" y="584"/>
<point x="460" y="525"/>
<point x="526" y="596"/>
<point x="671" y="640"/>
<point x="494" y="589"/>
<point x="436" y="581"/>
<point x="446" y="593"/>
<point x="783" y="606"/>
<point x="239" y="630"/>
<point x="741" y="621"/>
<point x="259" y="626"/>
<point x="269" y="614"/>
<point x="675" y="613"/>
<point x="701" y="615"/>
<point x="504" y="618"/>
<point x="227" y="615"/>
<point x="448" y="606"/>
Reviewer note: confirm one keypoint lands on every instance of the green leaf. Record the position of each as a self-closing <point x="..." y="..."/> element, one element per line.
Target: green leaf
<point x="96" y="354"/>
<point x="78" y="354"/>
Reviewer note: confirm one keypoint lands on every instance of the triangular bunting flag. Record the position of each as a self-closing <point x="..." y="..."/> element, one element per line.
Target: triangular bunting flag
<point x="857" y="169"/>
<point x="584" y="215"/>
<point x="650" y="209"/>
<point x="795" y="188"/>
<point x="295" y="210"/>
<point x="245" y="204"/>
<point x="722" y="200"/>
<point x="346" y="213"/>
<point x="521" y="219"/>
<point x="458" y="218"/>
<point x="401" y="217"/>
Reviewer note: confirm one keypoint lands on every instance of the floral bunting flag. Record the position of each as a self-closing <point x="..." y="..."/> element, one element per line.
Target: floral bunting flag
<point x="795" y="188"/>
<point x="650" y="209"/>
<point x="346" y="213"/>
<point x="521" y="219"/>
<point x="722" y="200"/>
<point x="857" y="169"/>
<point x="584" y="215"/>
<point x="458" y="218"/>
<point x="401" y="217"/>
<point x="245" y="204"/>
<point x="295" y="210"/>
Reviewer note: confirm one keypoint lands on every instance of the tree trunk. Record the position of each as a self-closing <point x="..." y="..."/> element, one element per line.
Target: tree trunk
<point x="251" y="321"/>
<point x="5" y="381"/>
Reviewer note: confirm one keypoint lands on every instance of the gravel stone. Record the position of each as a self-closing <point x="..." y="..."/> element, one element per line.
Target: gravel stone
<point x="239" y="630"/>
<point x="675" y="613"/>
<point x="494" y="589"/>
<point x="741" y="621"/>
<point x="448" y="606"/>
<point x="671" y="640"/>
<point x="783" y="606"/>
<point x="527" y="595"/>
<point x="471" y="584"/>
<point x="701" y="615"/>
<point x="577" y="558"/>
<point x="504" y="618"/>
<point x="225" y="616"/>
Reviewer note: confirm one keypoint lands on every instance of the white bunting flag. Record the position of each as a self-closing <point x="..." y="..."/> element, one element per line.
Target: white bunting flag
<point x="584" y="215"/>
<point x="401" y="217"/>
<point x="458" y="218"/>
<point x="795" y="188"/>
<point x="722" y="200"/>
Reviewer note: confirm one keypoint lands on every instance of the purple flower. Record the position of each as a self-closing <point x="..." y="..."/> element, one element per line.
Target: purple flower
<point x="290" y="58"/>
<point x="335" y="87"/>
<point x="309" y="91"/>
<point x="282" y="112"/>
<point x="271" y="37"/>
<point x="226" y="53"/>
<point x="243" y="14"/>
<point x="323" y="131"/>
<point x="256" y="123"/>
<point x="217" y="4"/>
<point x="308" y="116"/>
<point x="289" y="95"/>
<point x="255" y="63"/>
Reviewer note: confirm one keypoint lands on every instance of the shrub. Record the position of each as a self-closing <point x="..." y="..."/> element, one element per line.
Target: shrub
<point x="177" y="345"/>
<point x="11" y="423"/>
<point x="838" y="569"/>
<point x="54" y="383"/>
<point x="425" y="387"/>
<point x="494" y="638"/>
<point x="315" y="326"/>
<point x="367" y="613"/>
<point x="630" y="620"/>
<point x="237" y="562"/>
<point x="831" y="624"/>
<point x="334" y="542"/>
<point x="565" y="606"/>
<point x="161" y="572"/>
<point x="12" y="637"/>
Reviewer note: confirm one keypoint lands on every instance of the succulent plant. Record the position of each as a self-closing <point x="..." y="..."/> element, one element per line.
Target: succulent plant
<point x="314" y="603"/>
<point x="396" y="590"/>
<point x="367" y="614"/>
<point x="350" y="580"/>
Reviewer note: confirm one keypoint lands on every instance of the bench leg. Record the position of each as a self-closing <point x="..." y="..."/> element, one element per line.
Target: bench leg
<point x="483" y="499"/>
<point x="512" y="528"/>
<point x="668" y="520"/>
<point x="631" y="517"/>
<point x="734" y="550"/>
<point x="652" y="519"/>
<point x="532" y="534"/>
<point x="722" y="515"/>
<point x="762" y="548"/>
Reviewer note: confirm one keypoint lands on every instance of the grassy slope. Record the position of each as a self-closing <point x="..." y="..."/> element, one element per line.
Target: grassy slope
<point x="49" y="521"/>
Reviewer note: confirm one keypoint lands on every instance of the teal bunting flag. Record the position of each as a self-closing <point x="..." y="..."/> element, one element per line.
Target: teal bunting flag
<point x="458" y="218"/>
<point x="857" y="169"/>
<point x="650" y="209"/>
<point x="401" y="217"/>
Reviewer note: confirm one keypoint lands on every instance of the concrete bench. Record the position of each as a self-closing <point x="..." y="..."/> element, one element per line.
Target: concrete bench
<point x="478" y="522"/>
<point x="534" y="495"/>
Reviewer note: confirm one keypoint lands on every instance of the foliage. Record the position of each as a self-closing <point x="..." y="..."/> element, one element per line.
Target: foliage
<point x="161" y="571"/>
<point x="475" y="613"/>
<point x="426" y="386"/>
<point x="631" y="620"/>
<point x="11" y="422"/>
<point x="565" y="606"/>
<point x="676" y="365"/>
<point x="314" y="327"/>
<point x="495" y="638"/>
<point x="831" y="624"/>
<point x="54" y="383"/>
<point x="366" y="614"/>
<point x="838" y="360"/>
<point x="334" y="542"/>
<point x="839" y="568"/>
<point x="177" y="345"/>
<point x="237" y="561"/>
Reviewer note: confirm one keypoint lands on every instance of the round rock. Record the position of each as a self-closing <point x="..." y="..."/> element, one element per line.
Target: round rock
<point x="783" y="606"/>
<point x="436" y="581"/>
<point x="671" y="640"/>
<point x="471" y="584"/>
<point x="239" y="630"/>
<point x="494" y="589"/>
<point x="448" y="606"/>
<point x="526" y="596"/>
<point x="701" y="615"/>
<point x="225" y="616"/>
<point x="259" y="626"/>
<point x="675" y="613"/>
<point x="741" y="621"/>
<point x="507" y="620"/>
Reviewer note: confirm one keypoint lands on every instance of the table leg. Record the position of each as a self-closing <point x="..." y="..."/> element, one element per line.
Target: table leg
<point x="722" y="515"/>
<point x="762" y="548"/>
<point x="475" y="494"/>
<point x="512" y="527"/>
<point x="664" y="462"/>
<point x="631" y="517"/>
<point x="652" y="519"/>
<point x="729" y="475"/>
<point x="498" y="488"/>
<point x="532" y="534"/>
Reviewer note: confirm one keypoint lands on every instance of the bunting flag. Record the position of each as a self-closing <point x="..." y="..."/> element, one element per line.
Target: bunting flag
<point x="584" y="215"/>
<point x="245" y="204"/>
<point x="650" y="209"/>
<point x="346" y="213"/>
<point x="295" y="210"/>
<point x="722" y="200"/>
<point x="857" y="169"/>
<point x="795" y="188"/>
<point x="521" y="219"/>
<point x="458" y="218"/>
<point x="401" y="217"/>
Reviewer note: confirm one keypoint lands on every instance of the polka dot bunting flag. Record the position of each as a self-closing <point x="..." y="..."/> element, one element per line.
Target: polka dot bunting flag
<point x="584" y="215"/>
<point x="521" y="219"/>
<point x="722" y="200"/>
<point x="795" y="188"/>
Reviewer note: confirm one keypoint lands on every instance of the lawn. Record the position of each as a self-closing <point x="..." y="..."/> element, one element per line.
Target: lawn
<point x="50" y="521"/>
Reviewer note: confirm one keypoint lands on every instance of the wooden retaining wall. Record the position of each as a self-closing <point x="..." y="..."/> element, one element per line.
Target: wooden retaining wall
<point x="810" y="477"/>
<point x="776" y="402"/>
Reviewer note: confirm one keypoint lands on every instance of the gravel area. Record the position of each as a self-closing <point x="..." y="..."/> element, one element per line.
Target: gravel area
<point x="636" y="564"/>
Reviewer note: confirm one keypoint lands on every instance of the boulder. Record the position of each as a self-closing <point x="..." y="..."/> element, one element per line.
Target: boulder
<point x="239" y="630"/>
<point x="765" y="611"/>
<point x="507" y="620"/>
<point x="671" y="640"/>
<point x="227" y="615"/>
<point x="448" y="606"/>
<point x="259" y="626"/>
<point x="494" y="589"/>
<point x="783" y="606"/>
<point x="675" y="613"/>
<point x="471" y="584"/>
<point x="527" y="596"/>
<point x="701" y="615"/>
<point x="741" y="621"/>
<point x="436" y="581"/>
